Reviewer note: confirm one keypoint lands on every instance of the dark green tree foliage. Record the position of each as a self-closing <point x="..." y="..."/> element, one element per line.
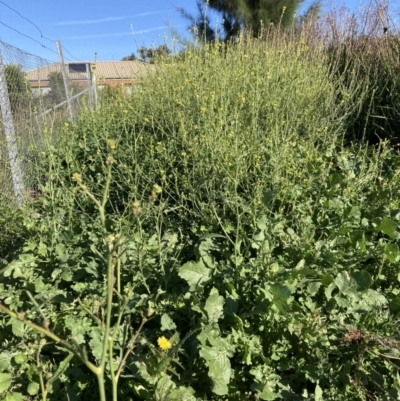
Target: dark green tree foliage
<point x="57" y="89"/>
<point x="131" y="57"/>
<point x="150" y="54"/>
<point x="19" y="89"/>
<point x="238" y="14"/>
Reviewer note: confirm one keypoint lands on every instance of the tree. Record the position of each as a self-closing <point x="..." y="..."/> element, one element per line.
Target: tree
<point x="130" y="57"/>
<point x="149" y="54"/>
<point x="57" y="89"/>
<point x="239" y="14"/>
<point x="19" y="90"/>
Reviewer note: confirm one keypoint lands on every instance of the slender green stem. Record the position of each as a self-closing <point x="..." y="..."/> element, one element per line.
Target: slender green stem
<point x="119" y="275"/>
<point x="120" y="315"/>
<point x="114" y="381"/>
<point x="95" y="318"/>
<point x="105" y="195"/>
<point x="43" y="388"/>
<point x="110" y="291"/>
<point x="131" y="346"/>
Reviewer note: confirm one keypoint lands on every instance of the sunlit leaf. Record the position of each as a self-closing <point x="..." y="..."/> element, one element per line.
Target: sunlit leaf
<point x="5" y="381"/>
<point x="195" y="273"/>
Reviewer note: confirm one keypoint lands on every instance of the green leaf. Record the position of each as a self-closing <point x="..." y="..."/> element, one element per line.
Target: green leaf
<point x="195" y="273"/>
<point x="318" y="393"/>
<point x="268" y="394"/>
<point x="362" y="279"/>
<point x="358" y="281"/>
<point x="182" y="394"/>
<point x="14" y="397"/>
<point x="394" y="305"/>
<point x="60" y="249"/>
<point x="326" y="280"/>
<point x="392" y="252"/>
<point x="313" y="288"/>
<point x="167" y="323"/>
<point x="219" y="368"/>
<point x="388" y="226"/>
<point x="164" y="386"/>
<point x="5" y="361"/>
<point x="96" y="342"/>
<point x="281" y="295"/>
<point x="18" y="328"/>
<point x="5" y="381"/>
<point x="20" y="359"/>
<point x="214" y="305"/>
<point x="262" y="222"/>
<point x="33" y="388"/>
<point x="343" y="281"/>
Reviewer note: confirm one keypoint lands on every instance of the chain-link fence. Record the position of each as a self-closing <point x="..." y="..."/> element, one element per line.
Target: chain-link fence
<point x="36" y="95"/>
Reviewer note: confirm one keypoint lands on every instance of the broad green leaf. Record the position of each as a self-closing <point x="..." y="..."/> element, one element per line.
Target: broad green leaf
<point x="357" y="237"/>
<point x="5" y="382"/>
<point x="362" y="279"/>
<point x="375" y="298"/>
<point x="267" y="394"/>
<point x="388" y="226"/>
<point x="300" y="265"/>
<point x="280" y="294"/>
<point x="394" y="305"/>
<point x="318" y="393"/>
<point x="181" y="394"/>
<point x="313" y="287"/>
<point x="60" y="249"/>
<point x="96" y="342"/>
<point x="326" y="280"/>
<point x="335" y="203"/>
<point x="14" y="397"/>
<point x="167" y="323"/>
<point x="5" y="361"/>
<point x="33" y="388"/>
<point x="343" y="281"/>
<point x="20" y="359"/>
<point x="262" y="222"/>
<point x="392" y="252"/>
<point x="195" y="273"/>
<point x="219" y="368"/>
<point x="354" y="212"/>
<point x="18" y="328"/>
<point x="214" y="305"/>
<point x="335" y="179"/>
<point x="164" y="386"/>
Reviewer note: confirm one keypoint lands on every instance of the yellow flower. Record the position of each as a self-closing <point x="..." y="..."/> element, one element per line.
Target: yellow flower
<point x="163" y="343"/>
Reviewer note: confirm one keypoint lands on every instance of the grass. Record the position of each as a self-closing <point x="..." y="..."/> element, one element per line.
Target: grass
<point x="227" y="211"/>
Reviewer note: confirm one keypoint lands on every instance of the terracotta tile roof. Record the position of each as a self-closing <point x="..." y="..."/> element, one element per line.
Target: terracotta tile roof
<point x="105" y="70"/>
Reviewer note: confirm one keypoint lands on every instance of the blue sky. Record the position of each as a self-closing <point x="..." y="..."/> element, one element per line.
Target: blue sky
<point x="111" y="29"/>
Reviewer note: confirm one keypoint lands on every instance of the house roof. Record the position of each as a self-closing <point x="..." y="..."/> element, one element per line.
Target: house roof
<point x="105" y="70"/>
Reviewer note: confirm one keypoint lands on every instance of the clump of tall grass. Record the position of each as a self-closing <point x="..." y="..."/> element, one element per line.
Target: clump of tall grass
<point x="364" y="49"/>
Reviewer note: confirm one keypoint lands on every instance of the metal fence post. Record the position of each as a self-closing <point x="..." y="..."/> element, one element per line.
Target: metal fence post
<point x="94" y="85"/>
<point x="89" y="84"/>
<point x="9" y="133"/>
<point x="65" y="78"/>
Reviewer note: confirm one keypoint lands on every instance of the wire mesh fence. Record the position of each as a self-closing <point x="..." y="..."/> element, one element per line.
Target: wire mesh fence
<point x="35" y="96"/>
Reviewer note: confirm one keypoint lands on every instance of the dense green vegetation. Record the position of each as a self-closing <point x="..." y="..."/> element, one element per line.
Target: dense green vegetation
<point x="225" y="233"/>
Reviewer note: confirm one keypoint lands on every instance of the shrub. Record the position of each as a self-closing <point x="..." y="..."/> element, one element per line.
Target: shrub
<point x="214" y="224"/>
